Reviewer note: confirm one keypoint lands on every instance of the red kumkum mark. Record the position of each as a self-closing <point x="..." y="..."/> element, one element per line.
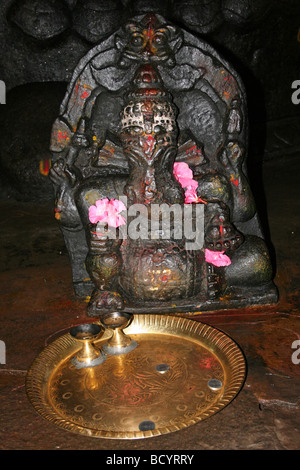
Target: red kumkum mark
<point x="193" y="149"/>
<point x="148" y="145"/>
<point x="62" y="136"/>
<point x="57" y="213"/>
<point x="84" y="95"/>
<point x="235" y="181"/>
<point x="207" y="363"/>
<point x="150" y="31"/>
<point x="45" y="166"/>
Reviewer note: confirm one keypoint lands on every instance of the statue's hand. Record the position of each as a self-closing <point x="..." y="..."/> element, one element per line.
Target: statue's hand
<point x="61" y="174"/>
<point x="65" y="208"/>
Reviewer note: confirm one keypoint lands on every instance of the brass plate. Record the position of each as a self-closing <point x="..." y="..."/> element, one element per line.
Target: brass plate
<point x="159" y="387"/>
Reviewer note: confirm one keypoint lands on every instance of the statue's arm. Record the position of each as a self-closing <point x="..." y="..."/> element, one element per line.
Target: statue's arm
<point x="65" y="181"/>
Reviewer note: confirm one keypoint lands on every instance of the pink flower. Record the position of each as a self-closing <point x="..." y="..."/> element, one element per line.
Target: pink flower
<point x="107" y="211"/>
<point x="182" y="170"/>
<point x="184" y="176"/>
<point x="191" y="196"/>
<point x="217" y="258"/>
<point x="182" y="173"/>
<point x="97" y="213"/>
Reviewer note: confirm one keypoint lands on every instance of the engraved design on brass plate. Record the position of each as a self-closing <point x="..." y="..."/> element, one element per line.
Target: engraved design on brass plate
<point x="161" y="386"/>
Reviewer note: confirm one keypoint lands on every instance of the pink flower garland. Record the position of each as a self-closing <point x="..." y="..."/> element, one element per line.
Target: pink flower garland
<point x="184" y="175"/>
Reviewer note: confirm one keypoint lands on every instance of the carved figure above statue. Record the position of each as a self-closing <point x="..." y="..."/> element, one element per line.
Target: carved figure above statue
<point x="153" y="116"/>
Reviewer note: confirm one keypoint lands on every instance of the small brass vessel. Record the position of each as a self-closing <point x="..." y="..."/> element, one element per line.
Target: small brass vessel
<point x="119" y="343"/>
<point x="89" y="355"/>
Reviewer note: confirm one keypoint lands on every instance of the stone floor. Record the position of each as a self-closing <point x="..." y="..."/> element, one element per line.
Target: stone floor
<point x="37" y="305"/>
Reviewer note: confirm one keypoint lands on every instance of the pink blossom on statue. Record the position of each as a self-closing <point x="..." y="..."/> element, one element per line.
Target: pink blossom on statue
<point x="107" y="211"/>
<point x="191" y="196"/>
<point x="188" y="183"/>
<point x="98" y="212"/>
<point x="182" y="171"/>
<point x="117" y="205"/>
<point x="184" y="176"/>
<point x="217" y="258"/>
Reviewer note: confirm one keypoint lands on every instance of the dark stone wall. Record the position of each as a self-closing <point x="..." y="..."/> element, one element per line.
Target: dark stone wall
<point x="43" y="40"/>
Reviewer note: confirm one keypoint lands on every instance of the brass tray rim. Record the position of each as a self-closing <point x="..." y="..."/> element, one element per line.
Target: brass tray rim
<point x="39" y="372"/>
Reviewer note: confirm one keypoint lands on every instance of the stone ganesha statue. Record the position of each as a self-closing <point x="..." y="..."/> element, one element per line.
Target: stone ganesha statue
<point x="154" y="117"/>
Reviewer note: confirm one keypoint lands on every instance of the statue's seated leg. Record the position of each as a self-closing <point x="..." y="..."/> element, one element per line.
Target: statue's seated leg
<point x="250" y="264"/>
<point x="103" y="261"/>
<point x="250" y="269"/>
